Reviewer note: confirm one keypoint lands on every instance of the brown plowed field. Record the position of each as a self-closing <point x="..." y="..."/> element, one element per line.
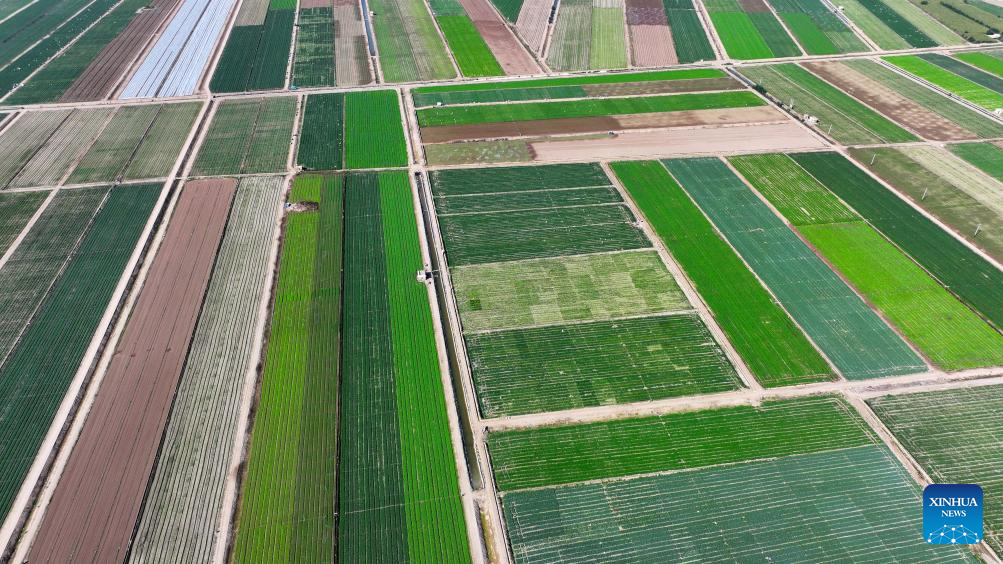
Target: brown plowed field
<point x="451" y="133"/>
<point x="511" y="55"/>
<point x="96" y="502"/>
<point x="754" y="5"/>
<point x="662" y="87"/>
<point x="99" y="78"/>
<point x="901" y="109"/>
<point x="651" y="45"/>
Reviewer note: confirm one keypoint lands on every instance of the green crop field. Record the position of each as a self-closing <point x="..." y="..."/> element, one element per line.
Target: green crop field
<point x="599" y="363"/>
<point x="24" y="137"/>
<point x="247" y="136"/>
<point x="775" y="350"/>
<point x="499" y="113"/>
<point x="15" y="211"/>
<point x="579" y="452"/>
<point x="322" y="136"/>
<point x="852" y="336"/>
<point x="839" y="115"/>
<point x="497" y="180"/>
<point x="951" y="190"/>
<point x="57" y="155"/>
<point x="921" y="16"/>
<point x="963" y="70"/>
<point x="571" y="38"/>
<point x="409" y="45"/>
<point x="818" y="30"/>
<point x="898" y="24"/>
<point x="559" y="290"/>
<point x="374" y="133"/>
<point x="871" y="25"/>
<point x="608" y="49"/>
<point x="469" y="49"/>
<point x="963" y="116"/>
<point x="927" y="425"/>
<point x="191" y="474"/>
<point x="750" y="32"/>
<point x="926" y="70"/>
<point x="986" y="156"/>
<point x="688" y="35"/>
<point x="591" y="79"/>
<point x="509" y="9"/>
<point x="985" y="61"/>
<point x="964" y="18"/>
<point x="288" y="501"/>
<point x="968" y="275"/>
<point x="256" y="56"/>
<point x="156" y="153"/>
<point x="393" y="403"/>
<point x="37" y="375"/>
<point x="314" y="62"/>
<point x="946" y="331"/>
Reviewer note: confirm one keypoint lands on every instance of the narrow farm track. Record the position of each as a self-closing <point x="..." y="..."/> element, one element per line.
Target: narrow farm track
<point x="184" y="502"/>
<point x="94" y="507"/>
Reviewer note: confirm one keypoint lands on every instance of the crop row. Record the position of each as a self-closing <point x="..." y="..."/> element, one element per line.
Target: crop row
<point x="489" y="113"/>
<point x="749" y="30"/>
<point x="325" y="57"/>
<point x="185" y="498"/>
<point x="967" y="274"/>
<point x="16" y="209"/>
<point x="952" y="336"/>
<point x="928" y="70"/>
<point x="470" y="51"/>
<point x="36" y="376"/>
<point x="897" y="27"/>
<point x="839" y="115"/>
<point x="409" y="44"/>
<point x="53" y="159"/>
<point x="927" y="425"/>
<point x="287" y="509"/>
<point x="256" y="55"/>
<point x="775" y="350"/>
<point x="975" y="23"/>
<point x="819" y="31"/>
<point x="852" y="336"/>
<point x="688" y="36"/>
<point x="247" y="137"/>
<point x="989" y="61"/>
<point x="353" y="130"/>
<point x="957" y="194"/>
<point x="985" y="156"/>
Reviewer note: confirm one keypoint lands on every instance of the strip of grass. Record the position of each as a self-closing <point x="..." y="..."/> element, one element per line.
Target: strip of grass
<point x="547" y="456"/>
<point x="410" y="47"/>
<point x="967" y="274"/>
<point x="841" y="116"/>
<point x="949" y="333"/>
<point x="374" y="134"/>
<point x="774" y="349"/>
<point x="986" y="156"/>
<point x="853" y="337"/>
<point x="774" y="34"/>
<point x="966" y="89"/>
<point x="490" y="113"/>
<point x="159" y="149"/>
<point x="606" y="78"/>
<point x="468" y="181"/>
<point x="469" y="49"/>
<point x="321" y="141"/>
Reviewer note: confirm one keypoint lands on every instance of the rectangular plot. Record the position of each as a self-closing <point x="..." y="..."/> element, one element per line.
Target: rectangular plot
<point x="16" y="209"/>
<point x="985" y="61"/>
<point x="374" y="132"/>
<point x="968" y="72"/>
<point x="739" y="36"/>
<point x="608" y="49"/>
<point x="744" y="512"/>
<point x="321" y="141"/>
<point x="163" y="142"/>
<point x="688" y="36"/>
<point x="949" y="333"/>
<point x="515" y="235"/>
<point x="558" y="290"/>
<point x="967" y="274"/>
<point x="520" y="201"/>
<point x="23" y="138"/>
<point x="26" y="277"/>
<point x="469" y="49"/>
<point x="111" y="470"/>
<point x="572" y="36"/>
<point x="935" y="74"/>
<point x="588" y="364"/>
<point x="986" y="156"/>
<point x="53" y="160"/>
<point x="460" y="115"/>
<point x="516" y="178"/>
<point x="898" y="24"/>
<point x="773" y="347"/>
<point x="819" y="30"/>
<point x="314" y="62"/>
<point x="842" y="117"/>
<point x="854" y="338"/>
<point x="248" y="136"/>
<point x="410" y="47"/>
<point x="926" y="425"/>
<point x="566" y="454"/>
<point x="37" y="375"/>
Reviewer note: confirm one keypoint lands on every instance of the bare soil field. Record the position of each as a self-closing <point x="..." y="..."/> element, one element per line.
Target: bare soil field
<point x="679" y="142"/>
<point x="511" y="55"/>
<point x="97" y="500"/>
<point x="890" y="103"/>
<point x="532" y="23"/>
<point x="100" y="77"/>
<point x="730" y="116"/>
<point x="650" y="36"/>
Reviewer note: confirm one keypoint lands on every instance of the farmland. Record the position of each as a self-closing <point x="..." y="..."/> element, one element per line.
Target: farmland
<point x="945" y="78"/>
<point x="972" y="22"/>
<point x="856" y="340"/>
<point x="257" y="51"/>
<point x="749" y="30"/>
<point x="926" y="423"/>
<point x="588" y="34"/>
<point x="817" y="29"/>
<point x="247" y="137"/>
<point x="985" y="156"/>
<point x="470" y="51"/>
<point x="969" y="276"/>
<point x="989" y="61"/>
<point x="354" y="130"/>
<point x="410" y="47"/>
<point x="786" y="450"/>
<point x="324" y="57"/>
<point x="69" y="315"/>
<point x="948" y="333"/>
<point x="840" y="116"/>
<point x="897" y="24"/>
